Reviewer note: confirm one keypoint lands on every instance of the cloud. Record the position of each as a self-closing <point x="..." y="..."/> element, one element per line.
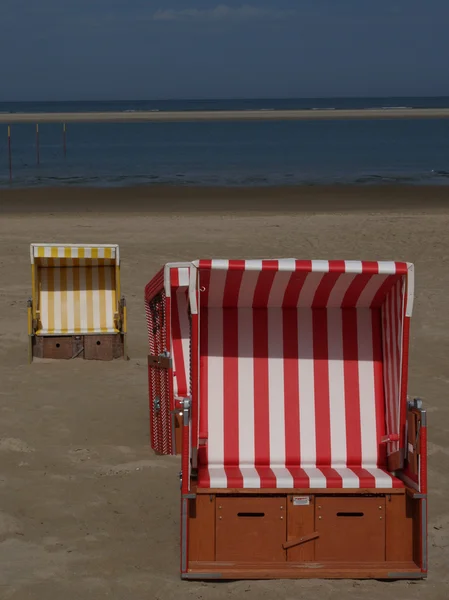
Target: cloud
<point x="222" y="12"/>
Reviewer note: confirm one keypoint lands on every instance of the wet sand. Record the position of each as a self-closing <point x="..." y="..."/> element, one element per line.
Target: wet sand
<point x="226" y="115"/>
<point x="86" y="509"/>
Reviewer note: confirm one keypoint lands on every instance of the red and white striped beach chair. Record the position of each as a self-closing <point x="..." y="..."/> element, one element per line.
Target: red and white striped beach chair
<point x="166" y="307"/>
<point x="301" y="454"/>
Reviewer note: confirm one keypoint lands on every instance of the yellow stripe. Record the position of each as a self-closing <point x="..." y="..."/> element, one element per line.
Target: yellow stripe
<point x="108" y="252"/>
<point x="81" y="252"/>
<point x="67" y="253"/>
<point x="76" y="300"/>
<point x="64" y="307"/>
<point x="54" y="252"/>
<point x="94" y="253"/>
<point x="33" y="289"/>
<point x="89" y="301"/>
<point x="51" y="300"/>
<point x="102" y="292"/>
<point x="41" y="252"/>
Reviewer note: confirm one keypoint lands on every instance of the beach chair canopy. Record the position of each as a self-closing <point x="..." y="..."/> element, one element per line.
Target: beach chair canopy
<point x="76" y="288"/>
<point x="301" y="372"/>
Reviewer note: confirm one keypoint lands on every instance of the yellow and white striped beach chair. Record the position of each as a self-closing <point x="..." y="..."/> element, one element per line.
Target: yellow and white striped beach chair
<point x="76" y="309"/>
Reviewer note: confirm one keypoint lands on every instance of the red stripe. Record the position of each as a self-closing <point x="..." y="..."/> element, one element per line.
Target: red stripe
<point x="379" y="398"/>
<point x="204" y="353"/>
<point x="321" y="384"/>
<point x="291" y="386"/>
<point x="384" y="290"/>
<point x="261" y="413"/>
<point x="300" y="477"/>
<point x="352" y="388"/>
<point x="359" y="283"/>
<point x="267" y="477"/>
<point x="178" y="354"/>
<point x="230" y="386"/>
<point x="233" y="282"/>
<point x="404" y="379"/>
<point x="264" y="283"/>
<point x="366" y="479"/>
<point x="333" y="479"/>
<point x="296" y="283"/>
<point x="327" y="283"/>
<point x="174" y="278"/>
<point x="387" y="367"/>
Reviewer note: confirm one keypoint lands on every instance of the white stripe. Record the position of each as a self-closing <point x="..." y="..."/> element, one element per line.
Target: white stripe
<point x="185" y="333"/>
<point x="47" y="252"/>
<point x="217" y="284"/>
<point x="183" y="277"/>
<point x="215" y="387"/>
<point x="246" y="390"/>
<point x="218" y="477"/>
<point x="283" y="476"/>
<point x="307" y="422"/>
<point x="70" y="300"/>
<point x="276" y="387"/>
<point x="57" y="298"/>
<point x="320" y="266"/>
<point x="370" y="290"/>
<point x="101" y="252"/>
<point x="353" y="266"/>
<point x="349" y="478"/>
<point x="75" y="252"/>
<point x="383" y="479"/>
<point x="339" y="290"/>
<point x="309" y="288"/>
<point x="394" y="354"/>
<point x="248" y="286"/>
<point x="109" y="294"/>
<point x="96" y="309"/>
<point x="337" y="403"/>
<point x="251" y="478"/>
<point x="316" y="477"/>
<point x="277" y="292"/>
<point x="410" y="289"/>
<point x="387" y="364"/>
<point x="386" y="267"/>
<point x="43" y="304"/>
<point x="83" y="299"/>
<point x="368" y="430"/>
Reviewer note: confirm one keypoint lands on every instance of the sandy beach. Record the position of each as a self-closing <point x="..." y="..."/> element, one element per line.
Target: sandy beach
<point x="225" y="115"/>
<point x="87" y="511"/>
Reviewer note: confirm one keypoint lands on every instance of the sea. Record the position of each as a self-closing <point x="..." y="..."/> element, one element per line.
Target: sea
<point x="239" y="153"/>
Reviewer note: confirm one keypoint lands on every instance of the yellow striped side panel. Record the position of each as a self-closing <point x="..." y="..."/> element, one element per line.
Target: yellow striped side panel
<point x="79" y="300"/>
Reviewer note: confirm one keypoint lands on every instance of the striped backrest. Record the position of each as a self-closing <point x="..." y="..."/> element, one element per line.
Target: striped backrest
<point x="75" y="288"/>
<point x="300" y="361"/>
<point x="76" y="300"/>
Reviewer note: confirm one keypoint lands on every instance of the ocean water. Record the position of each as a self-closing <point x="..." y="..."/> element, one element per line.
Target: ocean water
<point x="228" y="153"/>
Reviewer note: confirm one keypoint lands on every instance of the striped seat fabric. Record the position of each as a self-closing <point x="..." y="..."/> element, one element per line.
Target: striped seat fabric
<point x="300" y="372"/>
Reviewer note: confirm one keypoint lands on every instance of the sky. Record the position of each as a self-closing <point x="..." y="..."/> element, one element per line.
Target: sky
<point x="147" y="49"/>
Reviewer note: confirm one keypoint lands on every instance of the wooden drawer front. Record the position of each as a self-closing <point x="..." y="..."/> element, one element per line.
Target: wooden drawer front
<point x="350" y="529"/>
<point x="250" y="529"/>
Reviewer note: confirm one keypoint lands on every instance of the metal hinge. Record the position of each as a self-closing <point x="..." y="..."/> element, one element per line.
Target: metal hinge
<point x="157" y="404"/>
<point x="161" y="361"/>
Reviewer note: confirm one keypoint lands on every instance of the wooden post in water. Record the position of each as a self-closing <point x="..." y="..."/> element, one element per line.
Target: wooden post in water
<point x="37" y="144"/>
<point x="9" y="153"/>
<point x="64" y="140"/>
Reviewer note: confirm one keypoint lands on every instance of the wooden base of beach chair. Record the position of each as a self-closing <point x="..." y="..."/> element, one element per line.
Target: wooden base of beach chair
<point x="374" y="534"/>
<point x="89" y="347"/>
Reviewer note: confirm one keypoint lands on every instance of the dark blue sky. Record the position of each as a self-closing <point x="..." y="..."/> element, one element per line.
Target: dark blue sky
<point x="123" y="49"/>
